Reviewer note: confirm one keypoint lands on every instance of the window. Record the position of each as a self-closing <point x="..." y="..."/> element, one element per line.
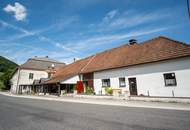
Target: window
<point x="24" y="87"/>
<point x="105" y="82"/>
<point x="31" y="75"/>
<point x="122" y="82"/>
<point x="170" y="79"/>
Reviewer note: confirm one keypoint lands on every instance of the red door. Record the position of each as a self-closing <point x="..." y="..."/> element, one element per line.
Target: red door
<point x="80" y="87"/>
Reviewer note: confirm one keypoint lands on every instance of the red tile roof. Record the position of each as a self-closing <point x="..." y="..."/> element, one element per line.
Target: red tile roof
<point x="157" y="49"/>
<point x="70" y="70"/>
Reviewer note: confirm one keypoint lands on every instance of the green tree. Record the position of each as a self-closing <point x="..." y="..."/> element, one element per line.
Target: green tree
<point x="2" y="86"/>
<point x="7" y="68"/>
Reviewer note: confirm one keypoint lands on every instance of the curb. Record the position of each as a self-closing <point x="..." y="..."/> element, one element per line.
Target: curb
<point x="161" y="99"/>
<point x="124" y="103"/>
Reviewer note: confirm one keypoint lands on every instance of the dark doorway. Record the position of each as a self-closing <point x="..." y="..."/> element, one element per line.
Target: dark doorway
<point x="88" y="80"/>
<point x="132" y="86"/>
<point x="70" y="88"/>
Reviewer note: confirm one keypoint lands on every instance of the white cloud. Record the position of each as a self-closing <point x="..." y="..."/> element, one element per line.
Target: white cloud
<point x="110" y="15"/>
<point x="115" y="20"/>
<point x="25" y="33"/>
<point x="36" y="34"/>
<point x="57" y="44"/>
<point x="30" y="51"/>
<point x="131" y="20"/>
<point x="5" y="24"/>
<point x="18" y="10"/>
<point x="107" y="39"/>
<point x="100" y="36"/>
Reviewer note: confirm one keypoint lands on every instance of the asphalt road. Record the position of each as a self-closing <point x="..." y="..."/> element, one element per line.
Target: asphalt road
<point x="29" y="114"/>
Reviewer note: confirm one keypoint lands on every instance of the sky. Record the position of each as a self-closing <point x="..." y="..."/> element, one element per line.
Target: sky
<point x="68" y="29"/>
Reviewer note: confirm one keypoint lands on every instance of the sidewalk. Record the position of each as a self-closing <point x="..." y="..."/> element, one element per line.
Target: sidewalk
<point x="112" y="102"/>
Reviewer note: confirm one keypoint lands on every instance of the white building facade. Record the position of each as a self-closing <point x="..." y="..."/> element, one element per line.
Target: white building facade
<point x="34" y="69"/>
<point x="156" y="67"/>
<point x="169" y="78"/>
<point x="26" y="77"/>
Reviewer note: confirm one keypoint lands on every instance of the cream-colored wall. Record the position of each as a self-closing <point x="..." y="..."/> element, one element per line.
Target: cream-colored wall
<point x="24" y="78"/>
<point x="14" y="80"/>
<point x="150" y="77"/>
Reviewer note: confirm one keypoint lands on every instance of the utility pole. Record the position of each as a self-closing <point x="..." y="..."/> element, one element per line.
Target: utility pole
<point x="188" y="8"/>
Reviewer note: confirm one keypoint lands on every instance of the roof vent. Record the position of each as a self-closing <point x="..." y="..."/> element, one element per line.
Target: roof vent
<point x="132" y="41"/>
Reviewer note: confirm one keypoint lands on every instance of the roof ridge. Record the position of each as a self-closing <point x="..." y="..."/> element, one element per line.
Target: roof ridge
<point x="147" y="41"/>
<point x="183" y="43"/>
<point x="127" y="44"/>
<point x="107" y="50"/>
<point x="46" y="60"/>
<point x="88" y="63"/>
<point x="78" y="61"/>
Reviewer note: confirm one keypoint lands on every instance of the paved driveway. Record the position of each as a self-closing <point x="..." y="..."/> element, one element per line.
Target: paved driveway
<point x="29" y="114"/>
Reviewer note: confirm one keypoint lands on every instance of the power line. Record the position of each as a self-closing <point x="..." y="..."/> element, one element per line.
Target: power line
<point x="188" y="8"/>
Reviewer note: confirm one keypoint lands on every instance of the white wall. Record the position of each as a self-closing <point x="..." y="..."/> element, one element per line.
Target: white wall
<point x="71" y="80"/>
<point x="150" y="77"/>
<point x="24" y="78"/>
<point x="14" y="82"/>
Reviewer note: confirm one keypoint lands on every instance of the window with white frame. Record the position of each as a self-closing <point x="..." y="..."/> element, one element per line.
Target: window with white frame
<point x="122" y="82"/>
<point x="105" y="82"/>
<point x="170" y="79"/>
<point x="31" y="75"/>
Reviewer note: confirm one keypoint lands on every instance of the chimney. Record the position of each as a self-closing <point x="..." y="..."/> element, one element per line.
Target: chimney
<point x="132" y="41"/>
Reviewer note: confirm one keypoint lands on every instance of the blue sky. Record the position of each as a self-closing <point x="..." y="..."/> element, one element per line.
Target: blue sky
<point x="67" y="29"/>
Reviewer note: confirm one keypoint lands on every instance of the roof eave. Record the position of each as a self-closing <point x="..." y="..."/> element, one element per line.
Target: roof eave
<point x="98" y="70"/>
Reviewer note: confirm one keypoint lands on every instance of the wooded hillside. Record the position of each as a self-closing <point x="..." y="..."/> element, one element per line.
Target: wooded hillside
<point x="7" y="68"/>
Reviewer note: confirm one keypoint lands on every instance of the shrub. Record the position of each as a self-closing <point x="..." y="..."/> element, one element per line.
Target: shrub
<point x="2" y="86"/>
<point x="89" y="90"/>
<point x="109" y="90"/>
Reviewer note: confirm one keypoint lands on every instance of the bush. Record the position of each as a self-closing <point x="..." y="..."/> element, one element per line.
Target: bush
<point x="89" y="90"/>
<point x="2" y="86"/>
<point x="5" y="78"/>
<point x="109" y="90"/>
